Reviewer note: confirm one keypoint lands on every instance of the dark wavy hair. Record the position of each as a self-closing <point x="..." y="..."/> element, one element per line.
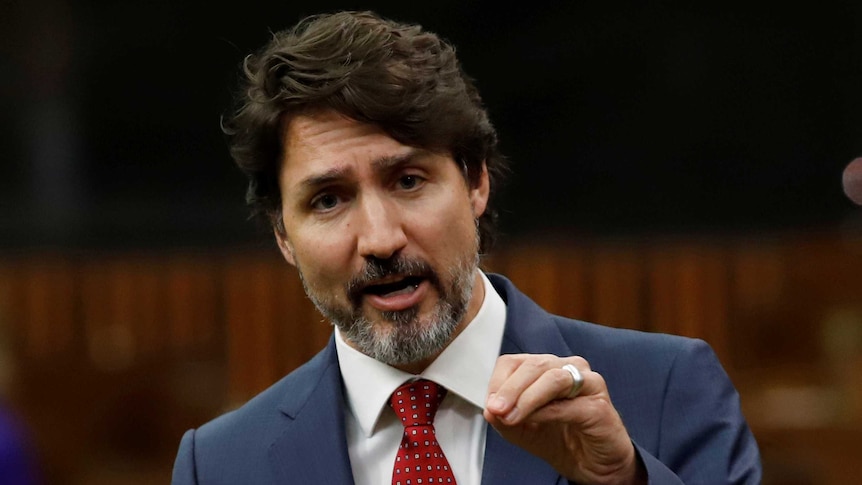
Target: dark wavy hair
<point x="397" y="76"/>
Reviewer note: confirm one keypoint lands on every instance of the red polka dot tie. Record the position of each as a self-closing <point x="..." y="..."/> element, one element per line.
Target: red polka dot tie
<point x="420" y="460"/>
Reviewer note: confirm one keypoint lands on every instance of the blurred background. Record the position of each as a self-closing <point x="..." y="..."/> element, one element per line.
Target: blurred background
<point x="676" y="167"/>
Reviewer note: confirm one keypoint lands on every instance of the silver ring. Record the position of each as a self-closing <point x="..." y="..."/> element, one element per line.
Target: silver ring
<point x="577" y="380"/>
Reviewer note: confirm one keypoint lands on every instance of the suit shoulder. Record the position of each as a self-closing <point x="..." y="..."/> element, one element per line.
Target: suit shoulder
<point x="237" y="443"/>
<point x="628" y="343"/>
<point x="254" y="417"/>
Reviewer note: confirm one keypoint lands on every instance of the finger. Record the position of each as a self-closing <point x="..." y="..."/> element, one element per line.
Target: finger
<point x="594" y="383"/>
<point x="515" y="374"/>
<point x="581" y="409"/>
<point x="518" y="372"/>
<point x="577" y="380"/>
<point x="566" y="383"/>
<point x="553" y="385"/>
<point x="550" y="385"/>
<point x="503" y="368"/>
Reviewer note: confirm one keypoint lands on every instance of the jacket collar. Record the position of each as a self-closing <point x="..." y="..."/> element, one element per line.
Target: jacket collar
<point x="312" y="447"/>
<point x="529" y="329"/>
<point x="314" y="407"/>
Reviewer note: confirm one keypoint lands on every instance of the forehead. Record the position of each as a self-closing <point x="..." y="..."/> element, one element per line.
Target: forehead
<point x="327" y="140"/>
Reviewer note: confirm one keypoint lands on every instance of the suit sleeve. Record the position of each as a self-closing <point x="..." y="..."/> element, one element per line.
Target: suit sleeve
<point x="185" y="472"/>
<point x="704" y="437"/>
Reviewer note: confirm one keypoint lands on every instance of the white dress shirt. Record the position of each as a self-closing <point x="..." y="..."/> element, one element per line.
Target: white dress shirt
<point x="464" y="368"/>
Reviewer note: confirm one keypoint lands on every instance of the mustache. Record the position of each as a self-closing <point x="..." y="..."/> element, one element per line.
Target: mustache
<point x="376" y="269"/>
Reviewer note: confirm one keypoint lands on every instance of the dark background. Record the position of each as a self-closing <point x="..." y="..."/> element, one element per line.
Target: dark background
<point x="628" y="124"/>
<point x="619" y="118"/>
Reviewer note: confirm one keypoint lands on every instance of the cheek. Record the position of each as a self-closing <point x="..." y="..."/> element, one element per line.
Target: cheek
<point x="323" y="258"/>
<point x="447" y="230"/>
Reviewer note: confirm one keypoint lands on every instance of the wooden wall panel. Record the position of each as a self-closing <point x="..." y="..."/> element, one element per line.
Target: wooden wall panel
<point x="303" y="331"/>
<point x="252" y="325"/>
<point x="46" y="309"/>
<point x="272" y="327"/>
<point x="555" y="277"/>
<point x="617" y="287"/>
<point x="193" y="303"/>
<point x="688" y="292"/>
<point x="115" y="310"/>
<point x="783" y="313"/>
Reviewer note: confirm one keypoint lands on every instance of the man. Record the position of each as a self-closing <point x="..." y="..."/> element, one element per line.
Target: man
<point x="370" y="153"/>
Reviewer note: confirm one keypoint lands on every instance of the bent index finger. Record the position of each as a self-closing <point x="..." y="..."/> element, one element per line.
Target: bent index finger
<point x="512" y="374"/>
<point x="505" y="366"/>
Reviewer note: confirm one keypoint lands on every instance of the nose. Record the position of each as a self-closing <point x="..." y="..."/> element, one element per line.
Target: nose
<point x="381" y="230"/>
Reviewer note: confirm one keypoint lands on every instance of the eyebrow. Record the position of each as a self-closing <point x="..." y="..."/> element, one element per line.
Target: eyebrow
<point x="379" y="165"/>
<point x="386" y="163"/>
<point x="321" y="179"/>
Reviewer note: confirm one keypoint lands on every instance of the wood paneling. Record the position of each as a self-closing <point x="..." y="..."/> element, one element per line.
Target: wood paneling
<point x="183" y="337"/>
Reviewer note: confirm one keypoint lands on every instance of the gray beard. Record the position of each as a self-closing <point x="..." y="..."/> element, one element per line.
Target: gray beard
<point x="407" y="339"/>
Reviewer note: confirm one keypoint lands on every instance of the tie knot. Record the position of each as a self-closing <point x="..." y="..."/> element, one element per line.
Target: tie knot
<point x="416" y="402"/>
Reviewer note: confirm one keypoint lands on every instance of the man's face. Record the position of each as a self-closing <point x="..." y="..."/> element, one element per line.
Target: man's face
<point x="383" y="236"/>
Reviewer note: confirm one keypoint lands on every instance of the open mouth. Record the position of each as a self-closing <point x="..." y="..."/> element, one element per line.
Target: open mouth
<point x="399" y="287"/>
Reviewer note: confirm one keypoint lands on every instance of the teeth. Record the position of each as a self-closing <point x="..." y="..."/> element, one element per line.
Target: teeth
<point x="407" y="289"/>
<point x="395" y="287"/>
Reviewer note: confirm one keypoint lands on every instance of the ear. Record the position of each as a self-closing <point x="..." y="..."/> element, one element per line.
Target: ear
<point x="284" y="246"/>
<point x="479" y="193"/>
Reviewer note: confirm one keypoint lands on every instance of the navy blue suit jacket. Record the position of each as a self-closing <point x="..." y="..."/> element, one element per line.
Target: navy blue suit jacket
<point x="677" y="402"/>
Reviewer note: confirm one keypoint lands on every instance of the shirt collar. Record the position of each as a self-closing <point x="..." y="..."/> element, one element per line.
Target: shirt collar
<point x="464" y="367"/>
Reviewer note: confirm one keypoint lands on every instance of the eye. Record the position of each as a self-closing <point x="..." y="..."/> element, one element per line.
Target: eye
<point x="324" y="202"/>
<point x="409" y="181"/>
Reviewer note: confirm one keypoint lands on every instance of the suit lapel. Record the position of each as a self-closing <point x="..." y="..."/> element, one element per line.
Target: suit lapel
<point x="313" y="446"/>
<point x="529" y="329"/>
<point x="507" y="464"/>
